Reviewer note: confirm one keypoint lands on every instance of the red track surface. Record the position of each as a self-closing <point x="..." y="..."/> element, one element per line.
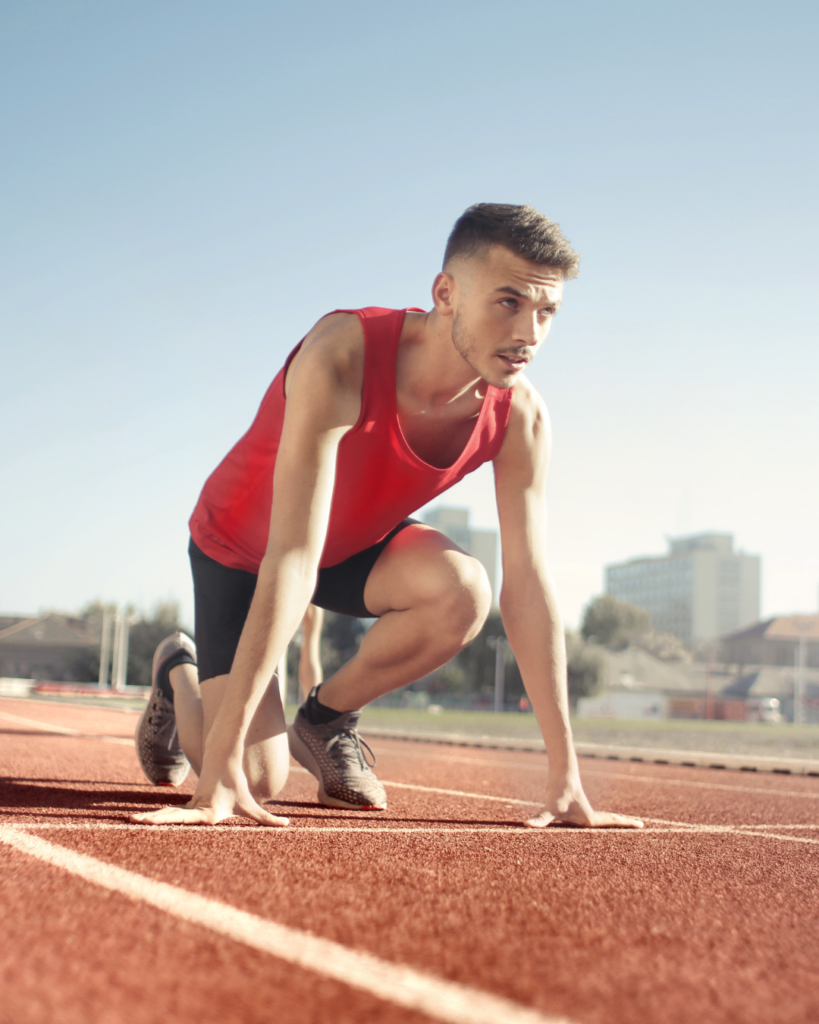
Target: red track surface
<point x="710" y="914"/>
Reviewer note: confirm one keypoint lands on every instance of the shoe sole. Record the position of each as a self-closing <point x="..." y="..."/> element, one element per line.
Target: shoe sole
<point x="154" y="782"/>
<point x="156" y="658"/>
<point x="302" y="753"/>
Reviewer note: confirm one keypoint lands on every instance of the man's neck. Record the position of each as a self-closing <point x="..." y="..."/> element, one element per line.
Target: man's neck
<point x="431" y="373"/>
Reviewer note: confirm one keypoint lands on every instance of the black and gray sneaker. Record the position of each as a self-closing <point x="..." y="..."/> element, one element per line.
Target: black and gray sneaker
<point x="157" y="741"/>
<point x="334" y="753"/>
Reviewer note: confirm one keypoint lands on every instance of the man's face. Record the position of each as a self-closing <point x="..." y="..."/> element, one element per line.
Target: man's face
<point x="502" y="307"/>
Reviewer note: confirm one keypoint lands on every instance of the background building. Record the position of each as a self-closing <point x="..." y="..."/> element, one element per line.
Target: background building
<point x="774" y="642"/>
<point x="481" y="544"/>
<point x="700" y="590"/>
<point x="45" y="647"/>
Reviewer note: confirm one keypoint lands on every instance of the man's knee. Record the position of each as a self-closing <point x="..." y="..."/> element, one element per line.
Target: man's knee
<point x="421" y="568"/>
<point x="465" y="597"/>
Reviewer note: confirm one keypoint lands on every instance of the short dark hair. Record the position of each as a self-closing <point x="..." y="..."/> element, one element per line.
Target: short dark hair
<point x="521" y="229"/>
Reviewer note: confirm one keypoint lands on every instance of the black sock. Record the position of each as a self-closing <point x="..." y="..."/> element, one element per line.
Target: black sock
<point x="164" y="680"/>
<point x="318" y="713"/>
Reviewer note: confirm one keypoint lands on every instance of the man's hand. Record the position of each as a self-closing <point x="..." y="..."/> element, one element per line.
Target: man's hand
<point x="213" y="801"/>
<point x="567" y="804"/>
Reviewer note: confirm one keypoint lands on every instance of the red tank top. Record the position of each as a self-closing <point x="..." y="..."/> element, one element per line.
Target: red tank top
<point x="379" y="479"/>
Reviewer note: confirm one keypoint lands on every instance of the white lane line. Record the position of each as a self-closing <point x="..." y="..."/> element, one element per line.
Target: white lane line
<point x="733" y="830"/>
<point x="394" y="983"/>
<point x="486" y="762"/>
<point x="513" y="828"/>
<point x="458" y="792"/>
<point x="445" y="792"/>
<point x="662" y="827"/>
<point x="778" y="826"/>
<point x="63" y="731"/>
<point x="700" y="785"/>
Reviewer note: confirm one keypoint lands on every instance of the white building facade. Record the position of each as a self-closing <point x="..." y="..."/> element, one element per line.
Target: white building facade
<point x="700" y="590"/>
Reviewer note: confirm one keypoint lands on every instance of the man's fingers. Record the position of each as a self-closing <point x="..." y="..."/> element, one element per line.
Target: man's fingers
<point x="541" y="821"/>
<point x="263" y="817"/>
<point x="605" y="819"/>
<point x="175" y="816"/>
<point x="599" y="819"/>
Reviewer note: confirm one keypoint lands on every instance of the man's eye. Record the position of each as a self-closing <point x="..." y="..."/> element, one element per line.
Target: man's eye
<point x="547" y="312"/>
<point x="510" y="302"/>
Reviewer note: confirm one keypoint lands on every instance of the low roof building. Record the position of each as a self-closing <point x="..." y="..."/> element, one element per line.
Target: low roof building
<point x="44" y="647"/>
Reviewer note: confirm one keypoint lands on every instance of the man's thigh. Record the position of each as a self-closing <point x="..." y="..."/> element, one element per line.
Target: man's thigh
<point x="419" y="565"/>
<point x="222" y="598"/>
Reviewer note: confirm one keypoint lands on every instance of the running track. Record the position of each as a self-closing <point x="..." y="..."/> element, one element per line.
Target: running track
<point x="441" y="908"/>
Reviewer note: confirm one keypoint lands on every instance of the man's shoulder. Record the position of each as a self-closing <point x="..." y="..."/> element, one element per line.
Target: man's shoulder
<point x="336" y="332"/>
<point x="528" y="440"/>
<point x="333" y="349"/>
<point x="528" y="407"/>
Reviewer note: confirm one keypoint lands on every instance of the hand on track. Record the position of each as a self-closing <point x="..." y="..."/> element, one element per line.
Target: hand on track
<point x="211" y="804"/>
<point x="567" y="804"/>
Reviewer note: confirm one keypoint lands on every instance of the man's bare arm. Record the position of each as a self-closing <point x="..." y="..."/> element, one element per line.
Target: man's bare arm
<point x="323" y="402"/>
<point x="529" y="607"/>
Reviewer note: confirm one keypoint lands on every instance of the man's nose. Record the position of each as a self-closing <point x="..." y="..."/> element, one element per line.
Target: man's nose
<point x="527" y="330"/>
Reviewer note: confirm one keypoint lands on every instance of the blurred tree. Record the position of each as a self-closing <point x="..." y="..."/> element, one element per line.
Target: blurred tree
<point x="612" y="622"/>
<point x="340" y="640"/>
<point x="664" y="646"/>
<point x="617" y="624"/>
<point x="145" y="635"/>
<point x="585" y="668"/>
<point x="472" y="671"/>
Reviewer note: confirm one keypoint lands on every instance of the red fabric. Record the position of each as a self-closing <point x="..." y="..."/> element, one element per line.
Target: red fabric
<point x="379" y="479"/>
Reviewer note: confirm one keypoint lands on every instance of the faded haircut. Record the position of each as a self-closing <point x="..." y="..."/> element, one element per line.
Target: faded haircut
<point x="521" y="229"/>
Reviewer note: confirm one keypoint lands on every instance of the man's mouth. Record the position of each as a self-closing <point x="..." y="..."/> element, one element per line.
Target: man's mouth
<point x="514" y="362"/>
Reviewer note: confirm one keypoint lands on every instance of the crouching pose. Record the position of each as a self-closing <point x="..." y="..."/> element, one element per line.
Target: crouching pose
<point x="374" y="413"/>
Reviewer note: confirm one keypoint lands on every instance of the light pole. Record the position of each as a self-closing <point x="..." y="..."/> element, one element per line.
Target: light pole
<point x="499" y="645"/>
<point x="800" y="664"/>
<point x="119" y="662"/>
<point x="105" y="648"/>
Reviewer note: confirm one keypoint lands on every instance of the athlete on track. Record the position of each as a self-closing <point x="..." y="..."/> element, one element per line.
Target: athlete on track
<point x="375" y="413"/>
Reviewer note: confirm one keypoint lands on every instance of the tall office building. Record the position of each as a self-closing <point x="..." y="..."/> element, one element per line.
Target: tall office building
<point x="481" y="544"/>
<point x="700" y="590"/>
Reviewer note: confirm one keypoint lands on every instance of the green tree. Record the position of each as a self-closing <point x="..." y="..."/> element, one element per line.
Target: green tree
<point x="145" y="635"/>
<point x="585" y="668"/>
<point x="472" y="671"/>
<point x="340" y="639"/>
<point x="617" y="624"/>
<point x="614" y="623"/>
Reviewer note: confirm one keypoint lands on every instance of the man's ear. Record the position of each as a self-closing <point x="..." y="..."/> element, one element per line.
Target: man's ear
<point x="443" y="293"/>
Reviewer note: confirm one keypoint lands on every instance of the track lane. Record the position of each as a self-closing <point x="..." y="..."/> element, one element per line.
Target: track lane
<point x="563" y="920"/>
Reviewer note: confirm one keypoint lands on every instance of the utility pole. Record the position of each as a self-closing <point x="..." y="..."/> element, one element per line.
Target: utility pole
<point x="119" y="666"/>
<point x="115" y="652"/>
<point x="499" y="645"/>
<point x="799" y="682"/>
<point x="800" y="659"/>
<point x="105" y="648"/>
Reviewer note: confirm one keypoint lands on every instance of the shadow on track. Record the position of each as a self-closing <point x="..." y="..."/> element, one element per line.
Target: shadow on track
<point x="329" y="814"/>
<point x="19" y="793"/>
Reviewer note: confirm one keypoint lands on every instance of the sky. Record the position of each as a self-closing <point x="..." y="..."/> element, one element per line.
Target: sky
<point x="187" y="187"/>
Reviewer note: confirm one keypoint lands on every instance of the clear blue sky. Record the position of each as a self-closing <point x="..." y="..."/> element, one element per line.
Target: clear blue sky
<point x="187" y="186"/>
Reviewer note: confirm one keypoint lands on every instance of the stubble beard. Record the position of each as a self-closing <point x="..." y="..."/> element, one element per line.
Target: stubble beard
<point x="466" y="347"/>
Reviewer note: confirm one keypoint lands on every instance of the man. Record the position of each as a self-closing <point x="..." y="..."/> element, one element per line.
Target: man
<point x="374" y="414"/>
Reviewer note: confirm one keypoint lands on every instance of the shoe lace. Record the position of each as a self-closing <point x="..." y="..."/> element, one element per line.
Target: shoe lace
<point x="352" y="739"/>
<point x="164" y="723"/>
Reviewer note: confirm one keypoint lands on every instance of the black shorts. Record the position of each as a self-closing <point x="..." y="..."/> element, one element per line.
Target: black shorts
<point x="222" y="599"/>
